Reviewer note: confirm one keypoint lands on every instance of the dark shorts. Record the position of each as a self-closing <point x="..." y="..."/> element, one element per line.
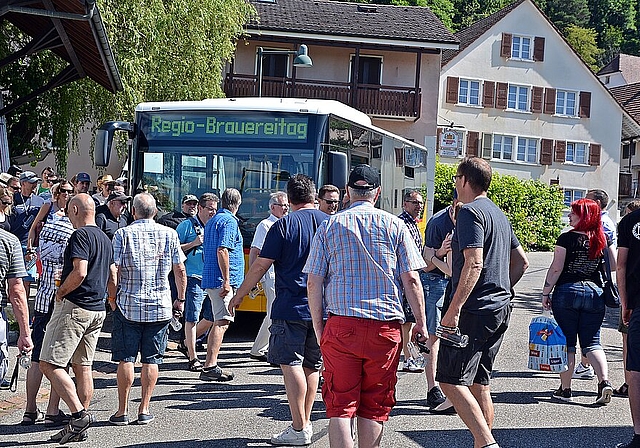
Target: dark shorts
<point x="293" y="343"/>
<point x="40" y="321"/>
<point x="473" y="364"/>
<point x="409" y="318"/>
<point x="633" y="342"/>
<point x="128" y="338"/>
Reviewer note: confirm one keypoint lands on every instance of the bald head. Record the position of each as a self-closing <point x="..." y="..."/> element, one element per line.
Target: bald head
<point x="82" y="210"/>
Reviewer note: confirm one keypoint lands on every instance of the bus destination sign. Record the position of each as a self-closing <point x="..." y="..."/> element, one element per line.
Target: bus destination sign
<point x="229" y="127"/>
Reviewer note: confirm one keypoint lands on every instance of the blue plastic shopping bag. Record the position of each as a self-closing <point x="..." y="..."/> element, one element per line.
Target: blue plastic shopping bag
<point x="547" y="345"/>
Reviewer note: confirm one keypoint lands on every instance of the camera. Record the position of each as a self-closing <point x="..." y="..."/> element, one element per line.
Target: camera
<point x="24" y="359"/>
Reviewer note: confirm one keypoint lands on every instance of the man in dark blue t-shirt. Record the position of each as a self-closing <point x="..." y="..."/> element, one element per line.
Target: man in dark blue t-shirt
<point x="78" y="316"/>
<point x="293" y="343"/>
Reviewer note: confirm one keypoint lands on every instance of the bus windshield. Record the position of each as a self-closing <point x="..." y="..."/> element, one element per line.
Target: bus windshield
<point x="176" y="157"/>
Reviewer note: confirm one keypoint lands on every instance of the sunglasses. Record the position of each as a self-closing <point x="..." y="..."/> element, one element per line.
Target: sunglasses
<point x="330" y="201"/>
<point x="7" y="202"/>
<point x="63" y="190"/>
<point x="15" y="188"/>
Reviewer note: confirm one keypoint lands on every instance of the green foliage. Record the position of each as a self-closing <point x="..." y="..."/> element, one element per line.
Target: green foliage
<point x="533" y="208"/>
<point x="583" y="41"/>
<point x="165" y="50"/>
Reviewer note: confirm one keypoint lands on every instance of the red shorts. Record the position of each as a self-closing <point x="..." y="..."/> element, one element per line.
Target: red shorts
<point x="360" y="361"/>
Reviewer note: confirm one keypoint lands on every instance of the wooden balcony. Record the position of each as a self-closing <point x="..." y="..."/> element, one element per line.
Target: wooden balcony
<point x="374" y="100"/>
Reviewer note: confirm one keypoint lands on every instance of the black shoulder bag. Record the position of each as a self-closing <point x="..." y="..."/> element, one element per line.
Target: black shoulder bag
<point x="609" y="289"/>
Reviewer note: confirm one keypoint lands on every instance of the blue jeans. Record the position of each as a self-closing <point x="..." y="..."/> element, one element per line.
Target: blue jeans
<point x="579" y="310"/>
<point x="434" y="287"/>
<point x="197" y="300"/>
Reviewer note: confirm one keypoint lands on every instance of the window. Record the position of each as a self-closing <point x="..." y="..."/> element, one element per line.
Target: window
<point x="527" y="150"/>
<point x="521" y="47"/>
<point x="566" y="103"/>
<point x="469" y="92"/>
<point x="571" y="195"/>
<point x="577" y="153"/>
<point x="518" y="98"/>
<point x="369" y="69"/>
<point x="275" y="65"/>
<point x="502" y="147"/>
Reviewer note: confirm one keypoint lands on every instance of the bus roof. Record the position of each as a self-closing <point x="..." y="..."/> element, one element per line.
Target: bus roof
<point x="301" y="105"/>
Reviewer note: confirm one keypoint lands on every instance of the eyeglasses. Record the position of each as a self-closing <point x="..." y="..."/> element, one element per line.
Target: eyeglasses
<point x="331" y="201"/>
<point x="15" y="188"/>
<point x="7" y="202"/>
<point x="456" y="176"/>
<point x="62" y="190"/>
<point x="282" y="205"/>
<point x="416" y="202"/>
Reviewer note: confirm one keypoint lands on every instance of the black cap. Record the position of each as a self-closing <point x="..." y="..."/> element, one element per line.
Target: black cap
<point x="119" y="196"/>
<point x="14" y="170"/>
<point x="366" y="174"/>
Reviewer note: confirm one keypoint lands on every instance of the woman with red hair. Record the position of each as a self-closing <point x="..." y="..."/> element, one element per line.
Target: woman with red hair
<point x="577" y="301"/>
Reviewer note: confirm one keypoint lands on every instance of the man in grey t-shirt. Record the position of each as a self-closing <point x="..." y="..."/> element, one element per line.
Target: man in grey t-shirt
<point x="482" y="280"/>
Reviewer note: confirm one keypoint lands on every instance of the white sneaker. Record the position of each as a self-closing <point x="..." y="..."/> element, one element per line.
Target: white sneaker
<point x="583" y="372"/>
<point x="412" y="366"/>
<point x="292" y="437"/>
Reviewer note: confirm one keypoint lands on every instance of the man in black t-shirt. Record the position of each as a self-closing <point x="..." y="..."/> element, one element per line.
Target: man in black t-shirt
<point x="487" y="262"/>
<point x="628" y="277"/>
<point x="111" y="215"/>
<point x="78" y="316"/>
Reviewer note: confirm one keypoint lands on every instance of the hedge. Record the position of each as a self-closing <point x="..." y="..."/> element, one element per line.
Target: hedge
<point x="533" y="208"/>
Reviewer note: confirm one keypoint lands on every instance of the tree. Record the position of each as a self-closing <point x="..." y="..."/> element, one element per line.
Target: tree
<point x="564" y="13"/>
<point x="165" y="50"/>
<point x="583" y="41"/>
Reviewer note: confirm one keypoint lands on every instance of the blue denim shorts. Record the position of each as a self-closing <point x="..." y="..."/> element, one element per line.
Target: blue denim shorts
<point x="579" y="310"/>
<point x="197" y="300"/>
<point x="129" y="337"/>
<point x="294" y="343"/>
<point x="434" y="287"/>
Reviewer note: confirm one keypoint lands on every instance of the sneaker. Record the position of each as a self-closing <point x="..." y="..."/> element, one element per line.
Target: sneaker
<point x="563" y="394"/>
<point x="292" y="437"/>
<point x="145" y="419"/>
<point x="123" y="420"/>
<point x="605" y="390"/>
<point x="435" y="397"/>
<point x="444" y="408"/>
<point x="583" y="372"/>
<point x="75" y="431"/>
<point x="411" y="366"/>
<point x="216" y="374"/>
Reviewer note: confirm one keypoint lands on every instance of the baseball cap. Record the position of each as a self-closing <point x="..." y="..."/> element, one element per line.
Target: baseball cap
<point x="189" y="198"/>
<point x="364" y="173"/>
<point x="4" y="179"/>
<point x="118" y="196"/>
<point x="14" y="170"/>
<point x="83" y="177"/>
<point x="29" y="176"/>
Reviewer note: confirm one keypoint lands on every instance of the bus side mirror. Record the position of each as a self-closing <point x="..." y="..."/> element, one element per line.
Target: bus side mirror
<point x="337" y="168"/>
<point x="104" y="140"/>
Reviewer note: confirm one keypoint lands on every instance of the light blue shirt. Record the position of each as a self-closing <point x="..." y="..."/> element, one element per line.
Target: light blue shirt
<point x="222" y="231"/>
<point x="195" y="256"/>
<point x="361" y="253"/>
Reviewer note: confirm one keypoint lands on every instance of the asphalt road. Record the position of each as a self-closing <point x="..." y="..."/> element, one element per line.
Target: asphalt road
<point x="246" y="411"/>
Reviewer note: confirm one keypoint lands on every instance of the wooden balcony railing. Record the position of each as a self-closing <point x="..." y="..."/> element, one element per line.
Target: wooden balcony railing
<point x="374" y="100"/>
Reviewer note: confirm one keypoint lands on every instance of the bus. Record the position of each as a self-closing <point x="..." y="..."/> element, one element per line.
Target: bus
<point x="255" y="145"/>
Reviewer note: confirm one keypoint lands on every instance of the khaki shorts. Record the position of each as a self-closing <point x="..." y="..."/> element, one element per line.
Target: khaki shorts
<point x="71" y="335"/>
<point x="220" y="305"/>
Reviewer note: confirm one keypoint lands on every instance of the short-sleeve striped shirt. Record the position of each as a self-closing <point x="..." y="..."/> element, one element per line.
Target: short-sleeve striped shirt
<point x="11" y="262"/>
<point x="52" y="243"/>
<point x="413" y="228"/>
<point x="145" y="253"/>
<point x="361" y="252"/>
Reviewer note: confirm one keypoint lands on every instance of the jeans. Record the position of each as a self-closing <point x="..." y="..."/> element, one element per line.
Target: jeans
<point x="579" y="310"/>
<point x="434" y="287"/>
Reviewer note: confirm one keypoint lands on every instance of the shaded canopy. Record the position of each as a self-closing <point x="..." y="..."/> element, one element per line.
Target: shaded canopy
<point x="73" y="30"/>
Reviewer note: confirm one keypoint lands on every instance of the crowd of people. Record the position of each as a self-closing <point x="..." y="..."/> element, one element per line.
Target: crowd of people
<point x="349" y="288"/>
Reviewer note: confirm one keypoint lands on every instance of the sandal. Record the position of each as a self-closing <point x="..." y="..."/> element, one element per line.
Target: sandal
<point x="622" y="391"/>
<point x="59" y="419"/>
<point x="195" y="365"/>
<point x="29" y="418"/>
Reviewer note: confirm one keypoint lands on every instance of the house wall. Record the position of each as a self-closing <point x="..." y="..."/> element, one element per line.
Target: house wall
<point x="561" y="69"/>
<point x="398" y="69"/>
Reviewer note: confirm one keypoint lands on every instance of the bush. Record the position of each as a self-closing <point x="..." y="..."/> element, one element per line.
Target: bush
<point x="533" y="208"/>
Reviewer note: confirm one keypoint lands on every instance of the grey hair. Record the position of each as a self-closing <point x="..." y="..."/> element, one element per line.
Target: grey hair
<point x="358" y="194"/>
<point x="273" y="198"/>
<point x="145" y="206"/>
<point x="231" y="199"/>
<point x="409" y="193"/>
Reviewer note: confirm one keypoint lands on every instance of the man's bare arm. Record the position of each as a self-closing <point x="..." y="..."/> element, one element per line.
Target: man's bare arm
<point x="20" y="307"/>
<point x="518" y="264"/>
<point x="473" y="263"/>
